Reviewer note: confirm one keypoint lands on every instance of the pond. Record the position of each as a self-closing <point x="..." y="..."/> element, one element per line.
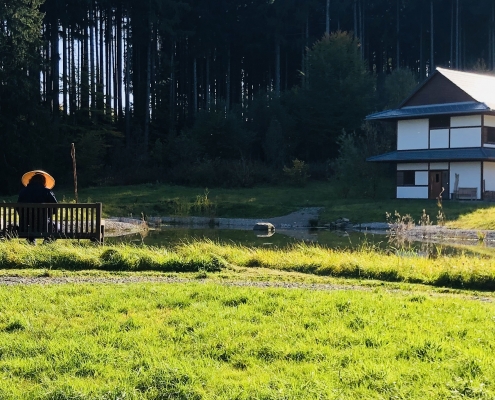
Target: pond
<point x="172" y="235"/>
<point x="246" y="237"/>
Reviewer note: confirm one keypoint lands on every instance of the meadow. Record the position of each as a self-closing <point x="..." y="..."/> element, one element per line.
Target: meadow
<point x="203" y="320"/>
<point x="263" y="202"/>
<point x="202" y="340"/>
<point x="235" y="322"/>
<point x="464" y="271"/>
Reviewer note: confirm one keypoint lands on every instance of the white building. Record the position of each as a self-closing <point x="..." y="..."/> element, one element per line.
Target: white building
<point x="445" y="137"/>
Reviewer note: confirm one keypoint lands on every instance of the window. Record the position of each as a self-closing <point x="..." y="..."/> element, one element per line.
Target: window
<point x="406" y="178"/>
<point x="440" y="121"/>
<point x="489" y="134"/>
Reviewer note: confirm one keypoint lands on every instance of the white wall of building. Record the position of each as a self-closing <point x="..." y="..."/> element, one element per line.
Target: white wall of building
<point x="489" y="120"/>
<point x="489" y="175"/>
<point x="469" y="175"/>
<point x="439" y="165"/>
<point x="412" y="192"/>
<point x="465" y="137"/>
<point x="412" y="167"/>
<point x="439" y="138"/>
<point x="412" y="134"/>
<point x="421" y="178"/>
<point x="465" y="120"/>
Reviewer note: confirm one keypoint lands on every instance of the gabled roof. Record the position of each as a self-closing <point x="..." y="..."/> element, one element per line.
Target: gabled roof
<point x="468" y="93"/>
<point x="464" y="154"/>
<point x="480" y="87"/>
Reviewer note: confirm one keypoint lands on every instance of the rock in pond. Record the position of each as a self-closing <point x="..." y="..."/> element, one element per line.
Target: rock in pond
<point x="264" y="226"/>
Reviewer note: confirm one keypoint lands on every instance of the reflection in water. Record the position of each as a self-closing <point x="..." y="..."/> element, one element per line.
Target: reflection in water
<point x="266" y="235"/>
<point x="169" y="236"/>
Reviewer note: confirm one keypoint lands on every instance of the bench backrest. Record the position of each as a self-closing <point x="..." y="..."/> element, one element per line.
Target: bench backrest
<point x="75" y="221"/>
<point x="467" y="193"/>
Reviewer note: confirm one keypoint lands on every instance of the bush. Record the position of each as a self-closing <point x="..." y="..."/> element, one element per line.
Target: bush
<point x="298" y="174"/>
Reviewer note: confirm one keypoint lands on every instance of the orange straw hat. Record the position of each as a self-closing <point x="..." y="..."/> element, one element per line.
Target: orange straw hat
<point x="49" y="181"/>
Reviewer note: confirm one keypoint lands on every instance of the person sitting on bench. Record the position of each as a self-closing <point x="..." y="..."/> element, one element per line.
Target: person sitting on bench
<point x="38" y="185"/>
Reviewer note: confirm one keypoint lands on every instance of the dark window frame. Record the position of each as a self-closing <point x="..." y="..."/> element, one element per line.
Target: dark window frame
<point x="489" y="134"/>
<point x="439" y="122"/>
<point x="406" y="178"/>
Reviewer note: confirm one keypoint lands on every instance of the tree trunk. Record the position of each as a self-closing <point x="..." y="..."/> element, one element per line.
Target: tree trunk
<point x="64" y="70"/>
<point x="355" y="20"/>
<point x="227" y="80"/>
<point x="277" y="67"/>
<point x="118" y="89"/>
<point x="91" y="27"/>
<point x="172" y="84"/>
<point x="195" y="86"/>
<point x="432" y="49"/>
<point x="147" y="99"/>
<point x="84" y="84"/>
<point x="101" y="75"/>
<point x="208" y="91"/>
<point x="55" y="59"/>
<point x="398" y="35"/>
<point x="327" y="19"/>
<point x="451" y="59"/>
<point x="154" y="50"/>
<point x="45" y="69"/>
<point x="73" y="92"/>
<point x="493" y="36"/>
<point x="127" y="86"/>
<point x="108" y="72"/>
<point x="457" y="60"/>
<point x="361" y="23"/>
<point x="303" y="59"/>
<point x="421" y="56"/>
<point x="114" y="77"/>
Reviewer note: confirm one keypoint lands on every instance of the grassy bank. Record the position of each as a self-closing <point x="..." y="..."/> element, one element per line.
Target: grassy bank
<point x="461" y="271"/>
<point x="207" y="341"/>
<point x="264" y="202"/>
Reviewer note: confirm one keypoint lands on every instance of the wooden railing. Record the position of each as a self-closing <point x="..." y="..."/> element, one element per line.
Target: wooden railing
<point x="52" y="221"/>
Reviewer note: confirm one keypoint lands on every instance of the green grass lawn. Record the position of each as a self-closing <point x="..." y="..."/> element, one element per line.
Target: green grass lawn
<point x="464" y="270"/>
<point x="211" y="341"/>
<point x="265" y="202"/>
<point x="411" y="327"/>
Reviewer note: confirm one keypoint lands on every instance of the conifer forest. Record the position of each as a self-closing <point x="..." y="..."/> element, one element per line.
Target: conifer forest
<point x="217" y="92"/>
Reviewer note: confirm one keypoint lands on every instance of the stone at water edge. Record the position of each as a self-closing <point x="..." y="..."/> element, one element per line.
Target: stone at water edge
<point x="264" y="226"/>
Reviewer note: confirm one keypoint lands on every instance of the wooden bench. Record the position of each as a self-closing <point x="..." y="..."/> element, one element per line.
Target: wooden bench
<point x="466" y="193"/>
<point x="52" y="221"/>
<point x="489" y="195"/>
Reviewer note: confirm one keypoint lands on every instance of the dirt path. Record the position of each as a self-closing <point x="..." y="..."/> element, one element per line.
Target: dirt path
<point x="47" y="280"/>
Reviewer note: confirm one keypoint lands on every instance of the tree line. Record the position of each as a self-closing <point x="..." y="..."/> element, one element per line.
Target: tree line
<point x="221" y="91"/>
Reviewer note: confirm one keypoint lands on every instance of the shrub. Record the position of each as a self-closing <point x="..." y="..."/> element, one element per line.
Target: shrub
<point x="298" y="174"/>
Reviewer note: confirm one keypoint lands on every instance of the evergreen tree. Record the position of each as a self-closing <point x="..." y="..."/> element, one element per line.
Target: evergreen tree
<point x="339" y="94"/>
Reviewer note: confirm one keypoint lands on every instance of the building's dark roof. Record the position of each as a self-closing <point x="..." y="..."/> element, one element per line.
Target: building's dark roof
<point x="468" y="107"/>
<point x="431" y="155"/>
<point x="479" y="87"/>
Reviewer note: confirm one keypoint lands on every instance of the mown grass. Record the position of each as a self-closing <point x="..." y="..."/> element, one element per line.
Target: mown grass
<point x="264" y="202"/>
<point x="458" y="271"/>
<point x="209" y="341"/>
<point x="481" y="218"/>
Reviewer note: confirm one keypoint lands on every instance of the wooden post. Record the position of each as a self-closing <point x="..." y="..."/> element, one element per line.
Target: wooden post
<point x="73" y="155"/>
